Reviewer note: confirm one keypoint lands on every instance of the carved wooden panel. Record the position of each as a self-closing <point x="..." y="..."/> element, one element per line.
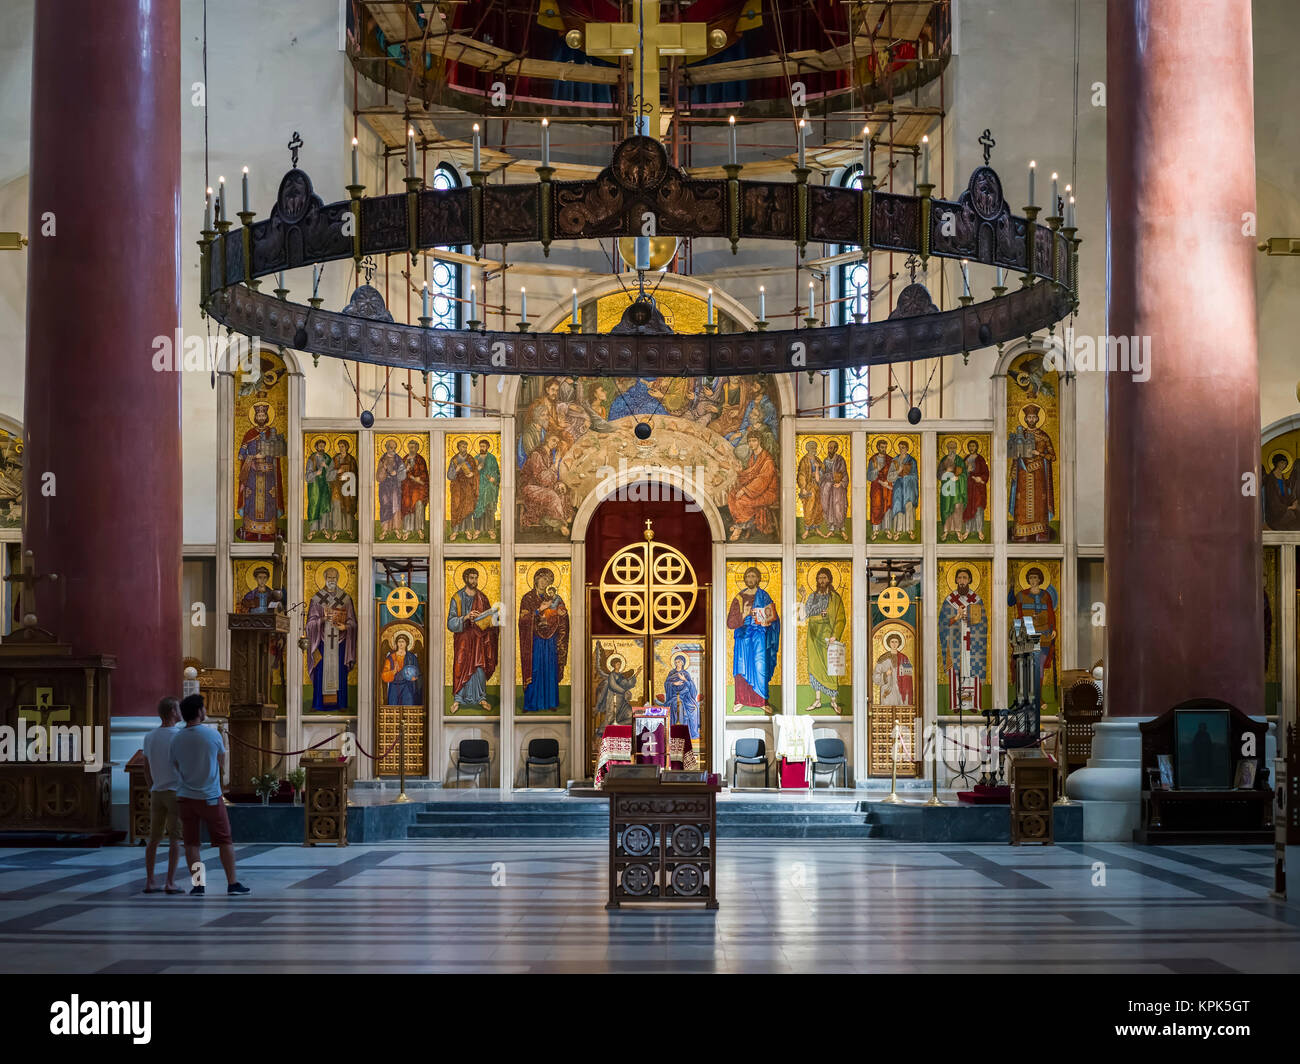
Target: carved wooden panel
<point x="836" y="214"/>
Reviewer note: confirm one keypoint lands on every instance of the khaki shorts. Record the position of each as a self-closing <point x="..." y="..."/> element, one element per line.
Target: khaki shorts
<point x="164" y="816"/>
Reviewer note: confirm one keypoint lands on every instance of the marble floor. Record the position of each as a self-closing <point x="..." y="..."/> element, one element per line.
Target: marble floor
<point x="537" y="906"/>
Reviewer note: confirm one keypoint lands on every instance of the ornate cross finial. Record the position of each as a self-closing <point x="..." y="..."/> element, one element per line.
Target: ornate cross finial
<point x="295" y="142"/>
<point x="368" y="267"/>
<point x="911" y="265"/>
<point x="649" y="534"/>
<point x="986" y="139"/>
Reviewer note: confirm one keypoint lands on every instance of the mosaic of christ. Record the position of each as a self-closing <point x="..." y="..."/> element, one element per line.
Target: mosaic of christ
<point x="720" y="435"/>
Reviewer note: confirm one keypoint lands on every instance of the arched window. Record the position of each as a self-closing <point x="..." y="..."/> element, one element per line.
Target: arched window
<point x="853" y="284"/>
<point x="444" y="309"/>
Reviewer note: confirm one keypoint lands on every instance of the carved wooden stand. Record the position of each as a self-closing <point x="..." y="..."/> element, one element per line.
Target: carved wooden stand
<point x="663" y="844"/>
<point x="326" y="801"/>
<point x="252" y="712"/>
<point x="1032" y="777"/>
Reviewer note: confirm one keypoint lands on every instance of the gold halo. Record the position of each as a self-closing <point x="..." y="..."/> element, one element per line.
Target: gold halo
<point x="764" y="573"/>
<point x="972" y="569"/>
<point x="460" y="575"/>
<point x="954" y="441"/>
<point x="530" y="573"/>
<point x="1290" y="461"/>
<point x="250" y="580"/>
<point x="1042" y="420"/>
<point x="392" y="631"/>
<point x="383" y="444"/>
<point x="320" y="439"/>
<point x="812" y="575"/>
<point x="884" y="631"/>
<point x="338" y="567"/>
<point x="270" y="411"/>
<point x="1022" y="580"/>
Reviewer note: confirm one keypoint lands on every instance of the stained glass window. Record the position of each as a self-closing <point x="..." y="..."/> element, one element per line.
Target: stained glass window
<point x="444" y="309"/>
<point x="854" y="298"/>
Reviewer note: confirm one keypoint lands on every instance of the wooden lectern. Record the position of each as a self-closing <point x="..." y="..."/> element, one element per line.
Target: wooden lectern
<point x="252" y="711"/>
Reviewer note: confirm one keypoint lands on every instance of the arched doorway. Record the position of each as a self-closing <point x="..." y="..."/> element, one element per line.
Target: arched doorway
<point x="648" y="660"/>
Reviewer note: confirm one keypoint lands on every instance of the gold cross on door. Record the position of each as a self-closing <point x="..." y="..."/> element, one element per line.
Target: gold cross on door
<point x="617" y="39"/>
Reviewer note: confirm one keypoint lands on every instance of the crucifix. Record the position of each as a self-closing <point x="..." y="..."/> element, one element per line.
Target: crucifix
<point x="26" y="580"/>
<point x="647" y="40"/>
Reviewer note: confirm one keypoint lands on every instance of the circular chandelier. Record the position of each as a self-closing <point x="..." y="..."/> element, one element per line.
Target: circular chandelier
<point x="640" y="189"/>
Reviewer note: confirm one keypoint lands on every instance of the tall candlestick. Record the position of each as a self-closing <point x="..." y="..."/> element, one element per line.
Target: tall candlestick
<point x="925" y="160"/>
<point x="245" y="189"/>
<point x="803" y="129"/>
<point x="279" y="279"/>
<point x="410" y="152"/>
<point x="710" y="318"/>
<point x="965" y="278"/>
<point x="1069" y="213"/>
<point x="221" y="199"/>
<point x="355" y="171"/>
<point x="812" y="301"/>
<point x="476" y="147"/>
<point x="762" y="303"/>
<point x="1051" y="207"/>
<point x="576" y="320"/>
<point x="315" y="280"/>
<point x="1001" y="276"/>
<point x="866" y="152"/>
<point x="1033" y="171"/>
<point x="207" y="209"/>
<point x="424" y="300"/>
<point x="857" y="299"/>
<point x="731" y="135"/>
<point x="473" y="304"/>
<point x="546" y="142"/>
<point x="523" y="304"/>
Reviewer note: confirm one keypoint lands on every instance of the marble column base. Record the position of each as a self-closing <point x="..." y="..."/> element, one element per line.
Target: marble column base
<point x="125" y="738"/>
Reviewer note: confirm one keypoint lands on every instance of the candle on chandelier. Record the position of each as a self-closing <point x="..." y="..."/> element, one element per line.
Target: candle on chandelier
<point x="221" y="199"/>
<point x="1052" y="206"/>
<point x="762" y="303"/>
<point x="866" y="152"/>
<point x="1001" y="276"/>
<point x="803" y="131"/>
<point x="354" y="162"/>
<point x="1033" y="171"/>
<point x="245" y="189"/>
<point x="812" y="301"/>
<point x="965" y="278"/>
<point x="1069" y="213"/>
<point x="279" y="280"/>
<point x="710" y="318"/>
<point x="410" y="151"/>
<point x="424" y="300"/>
<point x="731" y="139"/>
<point x="857" y="299"/>
<point x="473" y="304"/>
<point x="546" y="142"/>
<point x="523" y="304"/>
<point x="476" y="146"/>
<point x="925" y="160"/>
<point x="575" y="308"/>
<point x="207" y="209"/>
<point x="315" y="280"/>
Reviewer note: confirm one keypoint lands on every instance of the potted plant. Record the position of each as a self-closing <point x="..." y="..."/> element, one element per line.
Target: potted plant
<point x="298" y="780"/>
<point x="266" y="786"/>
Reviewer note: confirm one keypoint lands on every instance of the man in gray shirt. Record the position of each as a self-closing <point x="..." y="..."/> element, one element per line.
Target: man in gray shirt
<point x="164" y="814"/>
<point x="198" y="756"/>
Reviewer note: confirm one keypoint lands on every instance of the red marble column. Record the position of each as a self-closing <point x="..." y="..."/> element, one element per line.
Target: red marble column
<point x="1183" y="578"/>
<point x="102" y="469"/>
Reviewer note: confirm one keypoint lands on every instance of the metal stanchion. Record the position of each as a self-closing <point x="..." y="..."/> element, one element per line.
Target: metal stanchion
<point x="401" y="756"/>
<point x="892" y="798"/>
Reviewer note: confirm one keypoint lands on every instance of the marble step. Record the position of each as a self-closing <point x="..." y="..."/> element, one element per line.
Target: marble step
<point x="597" y="831"/>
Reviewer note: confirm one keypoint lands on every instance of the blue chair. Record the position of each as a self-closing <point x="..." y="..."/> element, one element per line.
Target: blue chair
<point x="542" y="753"/>
<point x="830" y="756"/>
<point x="473" y="757"/>
<point x="752" y="752"/>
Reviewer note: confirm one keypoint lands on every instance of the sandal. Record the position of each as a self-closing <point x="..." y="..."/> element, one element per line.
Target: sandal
<point x="173" y="890"/>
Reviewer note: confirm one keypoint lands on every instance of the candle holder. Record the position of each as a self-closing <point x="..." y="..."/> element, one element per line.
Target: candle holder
<point x="732" y="170"/>
<point x="425" y="322"/>
<point x="545" y="174"/>
<point x="859" y="317"/>
<point x="523" y="326"/>
<point x="246" y="217"/>
<point x="811" y="322"/>
<point x="761" y="324"/>
<point x="925" y="192"/>
<point x="281" y="293"/>
<point x="1031" y="216"/>
<point x="575" y="326"/>
<point x="801" y="208"/>
<point x="474" y="325"/>
<point x="711" y="328"/>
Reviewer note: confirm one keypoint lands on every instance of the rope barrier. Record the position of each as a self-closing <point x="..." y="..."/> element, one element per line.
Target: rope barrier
<point x="327" y="739"/>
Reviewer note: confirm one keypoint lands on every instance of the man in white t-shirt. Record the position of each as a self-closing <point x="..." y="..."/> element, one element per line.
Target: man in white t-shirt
<point x="197" y="755"/>
<point x="163" y="812"/>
